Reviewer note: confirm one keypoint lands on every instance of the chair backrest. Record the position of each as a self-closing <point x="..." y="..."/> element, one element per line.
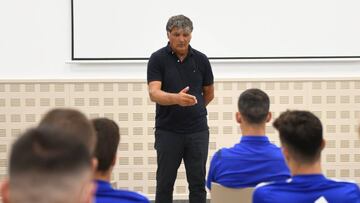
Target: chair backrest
<point x="222" y="194"/>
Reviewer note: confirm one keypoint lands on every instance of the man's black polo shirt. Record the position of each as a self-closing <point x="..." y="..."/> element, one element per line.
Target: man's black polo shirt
<point x="195" y="72"/>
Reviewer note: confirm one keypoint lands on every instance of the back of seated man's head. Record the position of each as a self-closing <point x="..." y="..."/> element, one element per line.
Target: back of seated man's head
<point x="47" y="166"/>
<point x="302" y="134"/>
<point x="108" y="137"/>
<point x="254" y="104"/>
<point x="73" y="122"/>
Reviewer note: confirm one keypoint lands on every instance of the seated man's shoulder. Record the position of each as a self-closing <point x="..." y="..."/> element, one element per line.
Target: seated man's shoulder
<point x="223" y="153"/>
<point x="123" y="196"/>
<point x="283" y="191"/>
<point x="262" y="191"/>
<point x="265" y="186"/>
<point x="345" y="185"/>
<point x="235" y="152"/>
<point x="134" y="196"/>
<point x="231" y="155"/>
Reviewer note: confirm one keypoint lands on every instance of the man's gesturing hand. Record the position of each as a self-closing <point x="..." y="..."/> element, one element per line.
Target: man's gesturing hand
<point x="185" y="99"/>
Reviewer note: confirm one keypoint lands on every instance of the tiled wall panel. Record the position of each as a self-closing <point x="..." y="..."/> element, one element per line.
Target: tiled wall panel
<point x="335" y="102"/>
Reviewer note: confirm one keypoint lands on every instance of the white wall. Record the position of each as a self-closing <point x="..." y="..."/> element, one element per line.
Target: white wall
<point x="35" y="42"/>
<point x="239" y="28"/>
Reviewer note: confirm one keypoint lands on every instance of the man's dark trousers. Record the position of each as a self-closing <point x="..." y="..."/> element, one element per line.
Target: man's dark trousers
<point x="171" y="148"/>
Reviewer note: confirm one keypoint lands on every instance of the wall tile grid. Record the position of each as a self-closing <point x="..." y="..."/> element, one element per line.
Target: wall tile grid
<point x="335" y="102"/>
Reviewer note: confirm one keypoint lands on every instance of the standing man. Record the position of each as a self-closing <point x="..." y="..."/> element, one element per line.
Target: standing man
<point x="180" y="81"/>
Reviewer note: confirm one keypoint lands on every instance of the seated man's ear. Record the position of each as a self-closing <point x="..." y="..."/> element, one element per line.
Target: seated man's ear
<point x="269" y="117"/>
<point x="114" y="161"/>
<point x="94" y="163"/>
<point x="323" y="143"/>
<point x="286" y="154"/>
<point x="4" y="190"/>
<point x="238" y="117"/>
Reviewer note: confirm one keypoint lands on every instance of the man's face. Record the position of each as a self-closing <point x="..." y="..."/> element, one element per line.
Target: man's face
<point x="179" y="40"/>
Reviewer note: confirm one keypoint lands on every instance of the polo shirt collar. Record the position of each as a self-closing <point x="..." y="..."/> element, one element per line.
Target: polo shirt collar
<point x="169" y="50"/>
<point x="251" y="138"/>
<point x="308" y="178"/>
<point x="103" y="185"/>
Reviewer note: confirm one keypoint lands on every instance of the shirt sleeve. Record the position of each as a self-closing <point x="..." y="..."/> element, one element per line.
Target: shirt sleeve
<point x="256" y="196"/>
<point x="259" y="196"/>
<point x="212" y="171"/>
<point x="154" y="71"/>
<point x="208" y="74"/>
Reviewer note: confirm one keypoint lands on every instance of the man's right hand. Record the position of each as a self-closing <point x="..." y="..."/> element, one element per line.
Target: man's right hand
<point x="185" y="99"/>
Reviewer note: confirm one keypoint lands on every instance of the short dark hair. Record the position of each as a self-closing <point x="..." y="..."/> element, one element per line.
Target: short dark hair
<point x="72" y="122"/>
<point x="302" y="133"/>
<point x="254" y="104"/>
<point x="108" y="136"/>
<point x="47" y="166"/>
<point x="47" y="150"/>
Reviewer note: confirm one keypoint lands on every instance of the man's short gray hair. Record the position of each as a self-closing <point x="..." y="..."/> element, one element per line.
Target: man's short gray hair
<point x="181" y="22"/>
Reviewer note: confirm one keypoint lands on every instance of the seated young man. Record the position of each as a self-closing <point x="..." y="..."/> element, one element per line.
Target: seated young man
<point x="255" y="159"/>
<point x="72" y="122"/>
<point x="47" y="165"/>
<point x="108" y="137"/>
<point x="301" y="137"/>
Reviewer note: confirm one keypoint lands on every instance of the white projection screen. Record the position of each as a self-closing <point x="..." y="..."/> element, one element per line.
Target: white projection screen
<point x="223" y="29"/>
